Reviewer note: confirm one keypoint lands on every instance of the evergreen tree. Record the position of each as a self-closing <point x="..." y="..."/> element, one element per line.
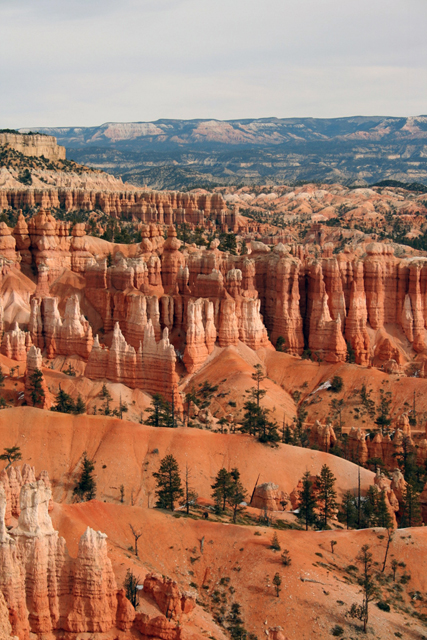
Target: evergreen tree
<point x="256" y="422"/>
<point x="205" y="394"/>
<point x="156" y="411"/>
<point x="169" y="488"/>
<point x="407" y="459"/>
<point x="105" y="395"/>
<point x="85" y="488"/>
<point x="411" y="516"/>
<point x="326" y="494"/>
<point x="79" y="406"/>
<point x="222" y="488"/>
<point x="277" y="581"/>
<point x="383" y="419"/>
<point x="258" y="376"/>
<point x="307" y="502"/>
<point x="11" y="454"/>
<point x="275" y="544"/>
<point x="369" y="509"/>
<point x="162" y="412"/>
<point x="300" y="433"/>
<point x="348" y="510"/>
<point x="131" y="588"/>
<point x="237" y="494"/>
<point x="64" y="402"/>
<point x="368" y="585"/>
<point x="37" y="392"/>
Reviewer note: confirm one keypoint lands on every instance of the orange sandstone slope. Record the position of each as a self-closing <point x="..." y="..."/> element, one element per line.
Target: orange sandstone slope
<point x="128" y="453"/>
<point x="316" y="592"/>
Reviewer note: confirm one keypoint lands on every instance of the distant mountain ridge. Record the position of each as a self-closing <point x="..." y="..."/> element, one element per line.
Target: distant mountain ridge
<point x="183" y="154"/>
<point x="258" y="131"/>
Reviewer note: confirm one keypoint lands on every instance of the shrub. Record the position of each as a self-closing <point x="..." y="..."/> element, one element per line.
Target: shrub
<point x="336" y="384"/>
<point x="337" y="631"/>
<point x="275" y="545"/>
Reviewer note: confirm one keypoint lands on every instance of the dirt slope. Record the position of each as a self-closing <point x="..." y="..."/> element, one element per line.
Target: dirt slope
<point x="128" y="454"/>
<point x="316" y="591"/>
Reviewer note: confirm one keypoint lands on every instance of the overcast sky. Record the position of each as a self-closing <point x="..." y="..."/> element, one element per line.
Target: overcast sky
<point x="85" y="62"/>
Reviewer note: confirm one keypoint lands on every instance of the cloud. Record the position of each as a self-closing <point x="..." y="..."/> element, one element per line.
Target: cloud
<point x="82" y="63"/>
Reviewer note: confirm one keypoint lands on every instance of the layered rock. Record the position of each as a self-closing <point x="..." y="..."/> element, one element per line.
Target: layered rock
<point x="268" y="496"/>
<point x="152" y="368"/>
<point x="320" y="303"/>
<point x="172" y="602"/>
<point x="43" y="588"/>
<point x="69" y="336"/>
<point x="16" y="343"/>
<point x="322" y="436"/>
<point x="34" y="363"/>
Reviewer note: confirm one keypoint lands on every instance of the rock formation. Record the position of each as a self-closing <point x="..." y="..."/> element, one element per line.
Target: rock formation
<point x="268" y="496"/>
<point x="34" y="363"/>
<point x="152" y="368"/>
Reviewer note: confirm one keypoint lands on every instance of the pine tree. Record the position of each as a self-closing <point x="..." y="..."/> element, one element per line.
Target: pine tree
<point x="307" y="502"/>
<point x="222" y="488"/>
<point x="411" y="516"/>
<point x="37" y="392"/>
<point x="348" y="510"/>
<point x="237" y="494"/>
<point x="131" y="588"/>
<point x="79" y="406"/>
<point x="275" y="544"/>
<point x="369" y="509"/>
<point x="256" y="422"/>
<point x="106" y="397"/>
<point x="11" y="454"/>
<point x="277" y="581"/>
<point x="368" y="585"/>
<point x="326" y="494"/>
<point x="169" y="488"/>
<point x="85" y="488"/>
<point x="156" y="411"/>
<point x="64" y="402"/>
<point x="258" y="377"/>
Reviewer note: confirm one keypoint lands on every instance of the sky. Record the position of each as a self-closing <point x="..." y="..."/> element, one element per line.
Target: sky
<point x="86" y="62"/>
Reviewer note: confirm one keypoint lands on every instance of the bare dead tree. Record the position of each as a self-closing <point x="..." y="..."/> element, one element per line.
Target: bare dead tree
<point x="136" y="536"/>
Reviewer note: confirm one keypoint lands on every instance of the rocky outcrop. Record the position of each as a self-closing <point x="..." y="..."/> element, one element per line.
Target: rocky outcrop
<point x="34" y="145"/>
<point x="93" y="587"/>
<point x="268" y="496"/>
<point x="151" y="368"/>
<point x="322" y="436"/>
<point x="168" y="597"/>
<point x="384" y="484"/>
<point x="34" y="363"/>
<point x="16" y="343"/>
<point x="69" y="336"/>
<point x="42" y="589"/>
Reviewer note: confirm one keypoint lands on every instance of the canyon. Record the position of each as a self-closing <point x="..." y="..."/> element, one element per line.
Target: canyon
<point x="307" y="303"/>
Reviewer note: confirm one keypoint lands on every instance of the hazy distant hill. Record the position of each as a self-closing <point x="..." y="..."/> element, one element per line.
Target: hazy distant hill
<point x="184" y="153"/>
